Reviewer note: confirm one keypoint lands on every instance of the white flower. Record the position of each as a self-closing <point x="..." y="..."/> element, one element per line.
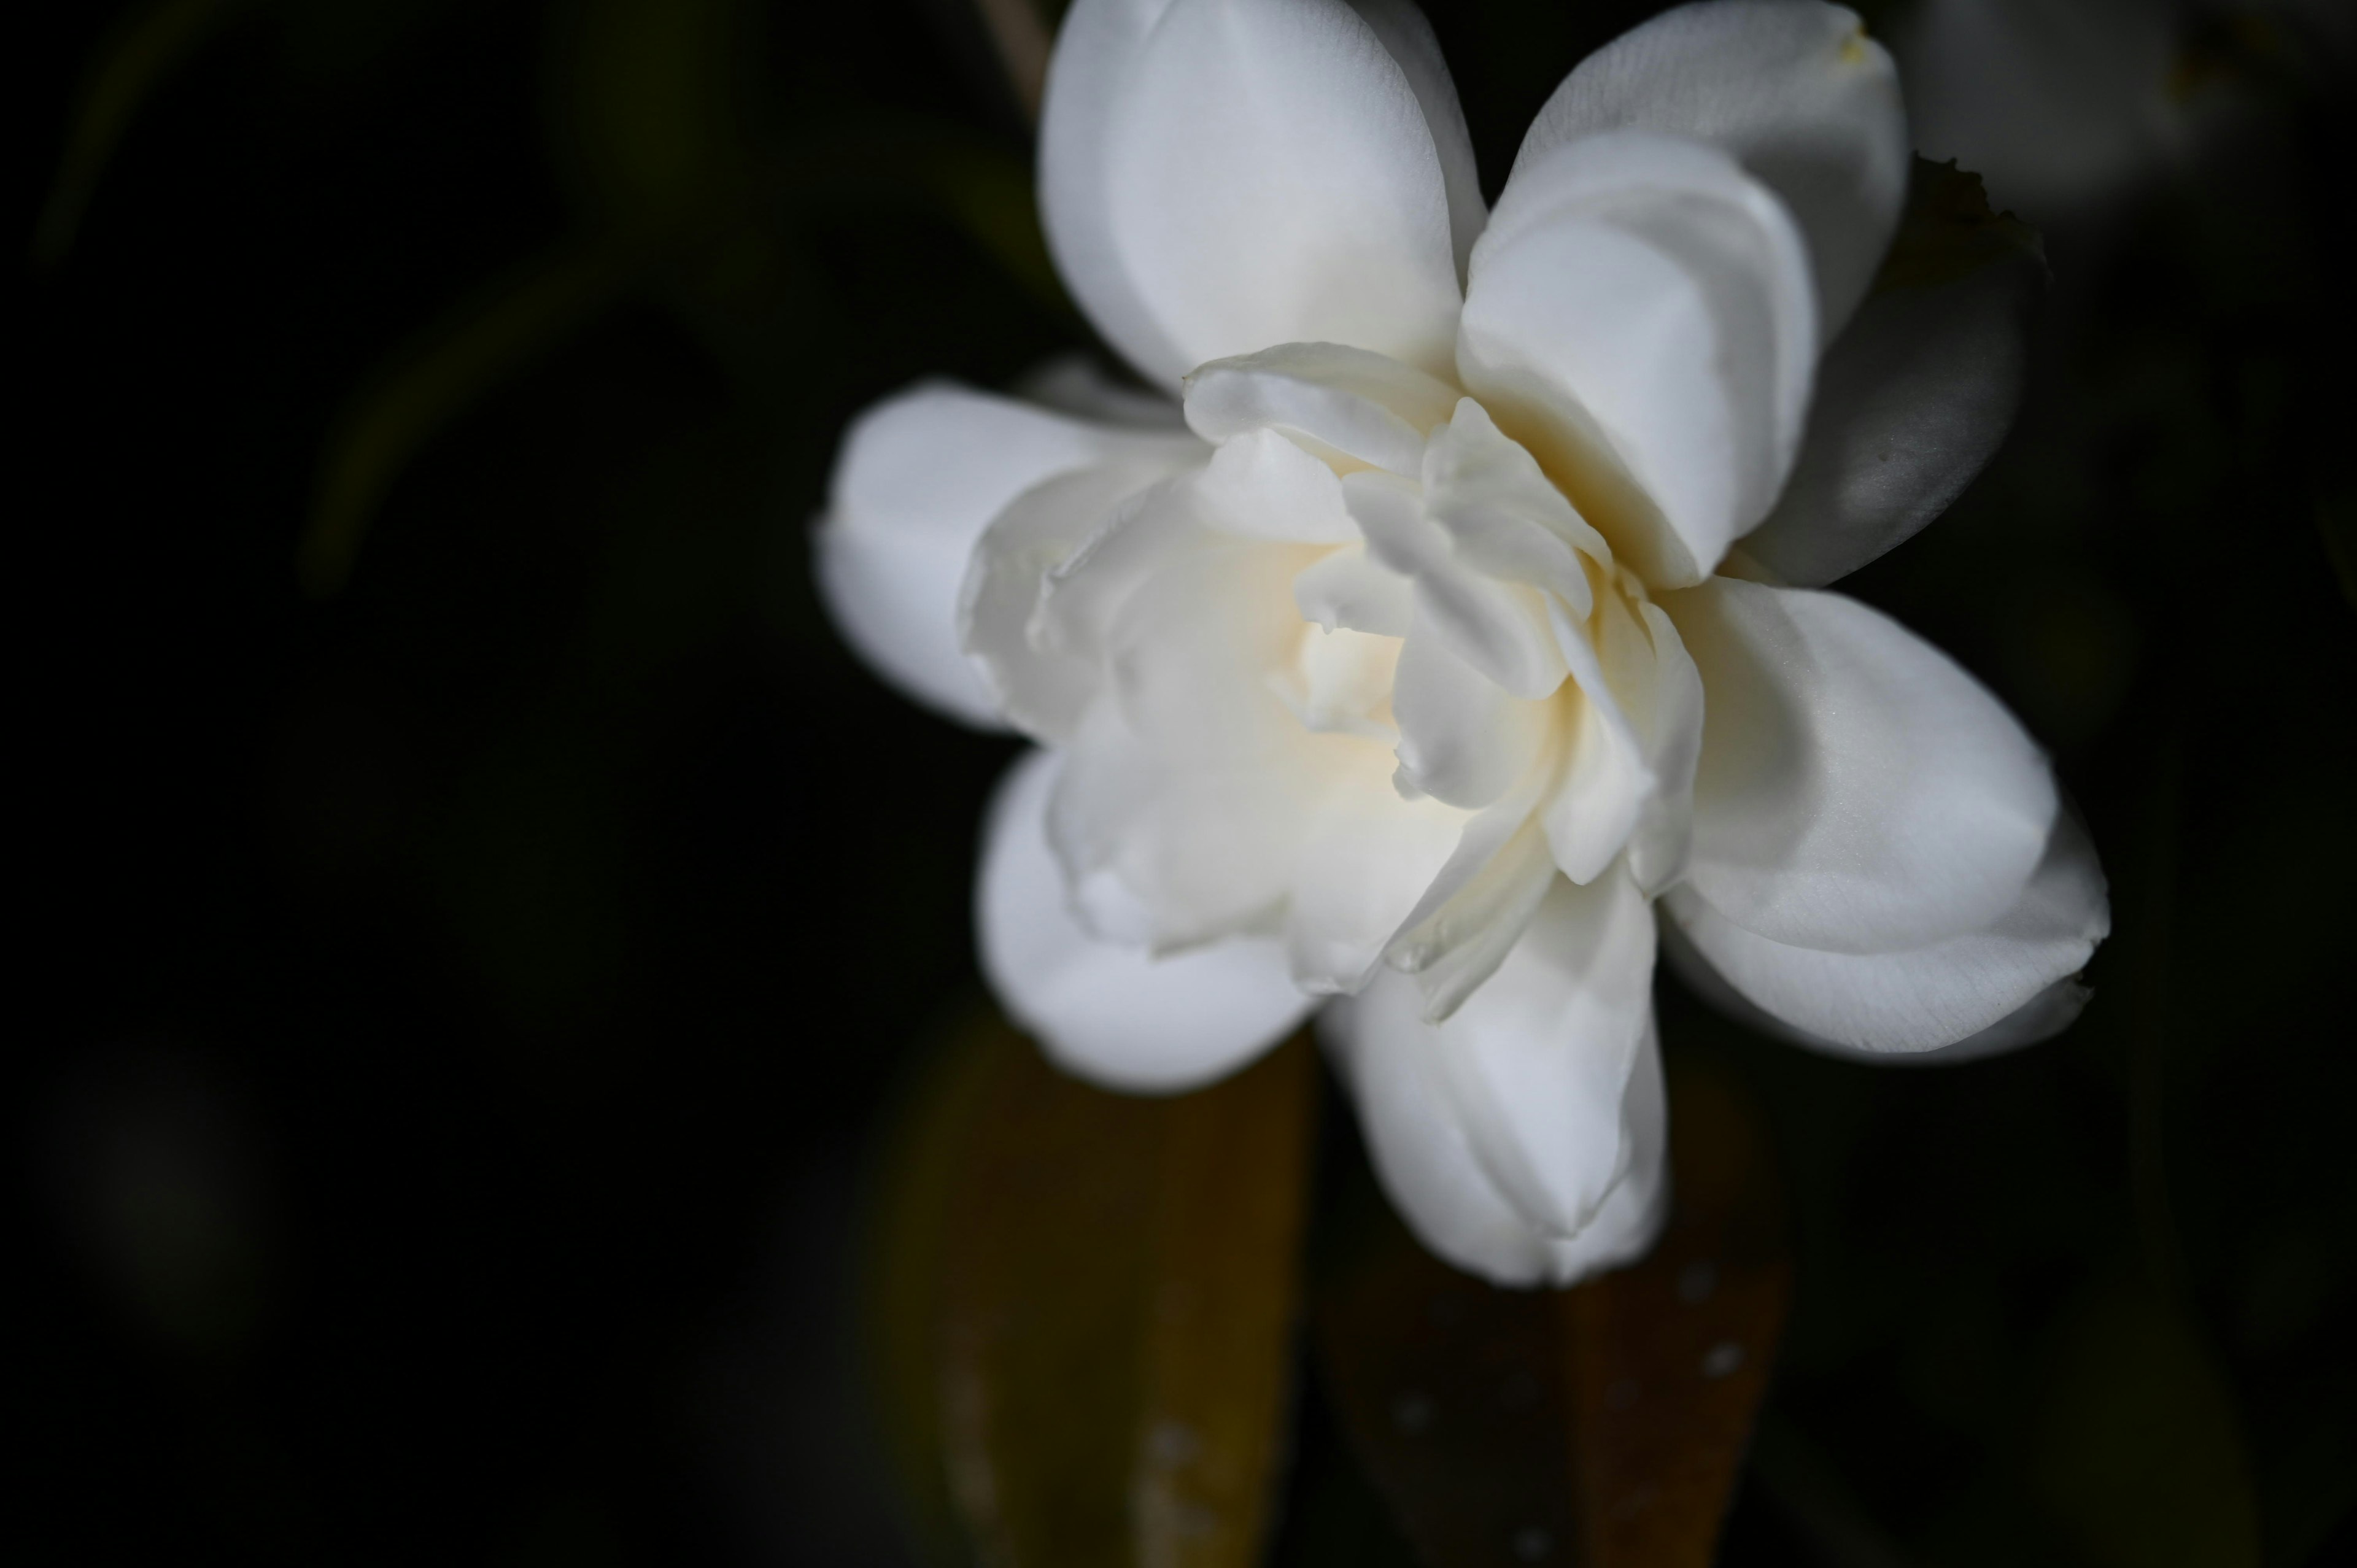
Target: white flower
<point x="1399" y="673"/>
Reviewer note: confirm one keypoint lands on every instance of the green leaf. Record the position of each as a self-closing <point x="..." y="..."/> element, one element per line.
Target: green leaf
<point x="1083" y="1306"/>
<point x="1604" y="1425"/>
<point x="649" y="103"/>
<point x="441" y="375"/>
<point x="140" y="52"/>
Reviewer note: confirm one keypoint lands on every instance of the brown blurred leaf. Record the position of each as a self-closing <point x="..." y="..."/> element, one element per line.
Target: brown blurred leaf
<point x="2137" y="1446"/>
<point x="1604" y="1425"/>
<point x="1948" y="230"/>
<point x="1084" y="1306"/>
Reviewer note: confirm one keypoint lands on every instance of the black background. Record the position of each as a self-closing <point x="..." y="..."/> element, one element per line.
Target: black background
<point x="457" y="1007"/>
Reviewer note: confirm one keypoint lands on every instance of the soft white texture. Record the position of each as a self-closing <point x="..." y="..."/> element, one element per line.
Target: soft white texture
<point x="1222" y="175"/>
<point x="1525" y="1138"/>
<point x="1943" y="996"/>
<point x="1110" y="1013"/>
<point x="1645" y="306"/>
<point x="1402" y="676"/>
<point x="1857" y="792"/>
<point x="920" y="477"/>
<point x="1791" y="88"/>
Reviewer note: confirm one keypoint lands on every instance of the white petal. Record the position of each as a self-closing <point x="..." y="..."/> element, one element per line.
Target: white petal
<point x="1525" y="1138"/>
<point x="919" y="477"/>
<point x="1365" y="859"/>
<point x="1607" y="779"/>
<point x="1462" y="738"/>
<point x="1342" y="683"/>
<point x="1409" y="38"/>
<point x="1641" y="316"/>
<point x="1454" y="953"/>
<point x="1166" y="856"/>
<point x="1968" y="997"/>
<point x="1501" y="629"/>
<point x="1504" y="514"/>
<point x="1351" y="588"/>
<point x="1044" y="692"/>
<point x="1262" y="486"/>
<point x="1218" y="177"/>
<point x="1075" y="384"/>
<point x="1793" y="89"/>
<point x="1352" y="408"/>
<point x="1911" y="401"/>
<point x="1113" y="1014"/>
<point x="1857" y="792"/>
<point x="1540" y="1057"/>
<point x="1674" y="729"/>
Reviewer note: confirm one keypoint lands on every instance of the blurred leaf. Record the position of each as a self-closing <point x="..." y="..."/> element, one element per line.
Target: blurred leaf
<point x="140" y="52"/>
<point x="440" y="376"/>
<point x="648" y="107"/>
<point x="2137" y="1445"/>
<point x="1604" y="1425"/>
<point x="1084" y="1304"/>
<point x="990" y="193"/>
<point x="2336" y="525"/>
<point x="1819" y="1501"/>
<point x="1948" y="230"/>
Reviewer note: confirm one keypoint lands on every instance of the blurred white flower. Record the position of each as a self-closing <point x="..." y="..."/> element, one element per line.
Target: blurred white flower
<point x="2058" y="102"/>
<point x="1414" y="671"/>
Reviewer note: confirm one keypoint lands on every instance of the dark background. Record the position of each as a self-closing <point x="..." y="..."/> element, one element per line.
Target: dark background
<point x="457" y="1004"/>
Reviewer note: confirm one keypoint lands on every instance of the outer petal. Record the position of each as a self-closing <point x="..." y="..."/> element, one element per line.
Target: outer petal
<point x="1221" y="175"/>
<point x="920" y="475"/>
<point x="1409" y="38"/>
<point x="1075" y="384"/>
<point x="1641" y="316"/>
<point x="1793" y="89"/>
<point x="1113" y="1014"/>
<point x="1857" y="792"/>
<point x="1525" y="1138"/>
<point x="1911" y="401"/>
<point x="1969" y="996"/>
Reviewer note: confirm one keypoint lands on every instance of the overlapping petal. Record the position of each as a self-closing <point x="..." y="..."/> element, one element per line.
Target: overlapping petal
<point x="1219" y="175"/>
<point x="1793" y="89"/>
<point x="1911" y="401"/>
<point x="1639" y="315"/>
<point x="2007" y="984"/>
<point x="919" y="477"/>
<point x="1113" y="1014"/>
<point x="1349" y="406"/>
<point x="1523" y="1138"/>
<point x="1857" y="792"/>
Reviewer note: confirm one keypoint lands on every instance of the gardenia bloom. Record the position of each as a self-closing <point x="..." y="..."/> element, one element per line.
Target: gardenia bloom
<point x="1419" y="668"/>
